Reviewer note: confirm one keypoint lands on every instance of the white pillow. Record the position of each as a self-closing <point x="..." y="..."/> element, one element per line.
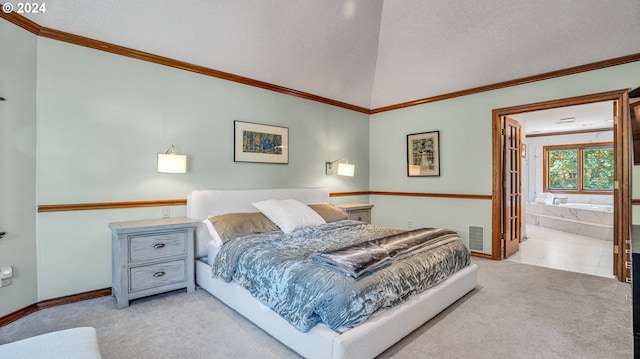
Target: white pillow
<point x="212" y="232"/>
<point x="205" y="233"/>
<point x="289" y="214"/>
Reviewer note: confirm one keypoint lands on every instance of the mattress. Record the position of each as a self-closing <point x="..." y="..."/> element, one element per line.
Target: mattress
<point x="278" y="269"/>
<point x="212" y="251"/>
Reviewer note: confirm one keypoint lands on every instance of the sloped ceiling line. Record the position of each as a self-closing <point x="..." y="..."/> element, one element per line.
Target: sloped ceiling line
<point x="144" y="56"/>
<point x="36" y="29"/>
<point x="540" y="77"/>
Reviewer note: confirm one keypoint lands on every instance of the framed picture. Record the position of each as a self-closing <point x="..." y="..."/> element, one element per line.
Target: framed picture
<point x="423" y="154"/>
<point x="254" y="142"/>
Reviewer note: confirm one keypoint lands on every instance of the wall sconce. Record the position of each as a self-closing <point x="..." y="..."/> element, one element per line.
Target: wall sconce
<point x="523" y="150"/>
<point x="344" y="168"/>
<point x="169" y="162"/>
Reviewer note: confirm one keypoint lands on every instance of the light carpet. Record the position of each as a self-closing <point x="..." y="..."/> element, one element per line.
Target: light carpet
<point x="516" y="311"/>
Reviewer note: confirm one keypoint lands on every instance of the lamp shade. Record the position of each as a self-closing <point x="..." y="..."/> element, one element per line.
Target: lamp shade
<point x="172" y="163"/>
<point x="346" y="169"/>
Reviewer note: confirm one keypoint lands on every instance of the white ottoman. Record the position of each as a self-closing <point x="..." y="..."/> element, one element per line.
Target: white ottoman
<point x="76" y="343"/>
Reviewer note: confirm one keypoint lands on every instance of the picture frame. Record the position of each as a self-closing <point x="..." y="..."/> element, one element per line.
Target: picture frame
<point x="255" y="142"/>
<point x="423" y="154"/>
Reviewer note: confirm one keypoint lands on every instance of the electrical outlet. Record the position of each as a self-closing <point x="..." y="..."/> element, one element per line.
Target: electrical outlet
<point x="409" y="225"/>
<point x="166" y="212"/>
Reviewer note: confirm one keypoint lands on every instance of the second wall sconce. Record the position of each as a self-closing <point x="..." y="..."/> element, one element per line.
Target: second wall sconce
<point x="170" y="162"/>
<point x="344" y="168"/>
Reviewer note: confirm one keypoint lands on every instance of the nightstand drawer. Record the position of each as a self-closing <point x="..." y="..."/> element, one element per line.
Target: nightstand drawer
<point x="150" y="257"/>
<point x="157" y="245"/>
<point x="362" y="215"/>
<point x="157" y="275"/>
<point x="357" y="211"/>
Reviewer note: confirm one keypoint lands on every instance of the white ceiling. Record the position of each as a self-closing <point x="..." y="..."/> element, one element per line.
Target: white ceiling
<point x="593" y="116"/>
<point x="368" y="53"/>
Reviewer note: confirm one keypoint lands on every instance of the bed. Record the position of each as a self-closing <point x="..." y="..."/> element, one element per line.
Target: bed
<point x="366" y="340"/>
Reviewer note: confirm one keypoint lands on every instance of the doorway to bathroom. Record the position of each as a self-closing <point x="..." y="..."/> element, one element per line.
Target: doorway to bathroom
<point x="568" y="179"/>
<point x="596" y="137"/>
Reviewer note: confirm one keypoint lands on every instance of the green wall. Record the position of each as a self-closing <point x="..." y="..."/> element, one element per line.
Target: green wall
<point x="100" y="120"/>
<point x="18" y="165"/>
<point x="466" y="150"/>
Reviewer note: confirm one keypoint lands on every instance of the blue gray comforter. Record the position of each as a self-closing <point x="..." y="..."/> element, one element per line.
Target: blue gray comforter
<point x="363" y="258"/>
<point x="278" y="270"/>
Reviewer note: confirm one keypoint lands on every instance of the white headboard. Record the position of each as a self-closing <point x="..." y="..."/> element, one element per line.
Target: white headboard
<point x="201" y="204"/>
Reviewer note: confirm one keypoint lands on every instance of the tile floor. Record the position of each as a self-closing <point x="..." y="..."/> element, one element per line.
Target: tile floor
<point x="560" y="250"/>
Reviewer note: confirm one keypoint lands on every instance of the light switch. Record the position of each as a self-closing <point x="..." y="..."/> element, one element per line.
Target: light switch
<point x="5" y="276"/>
<point x="6" y="272"/>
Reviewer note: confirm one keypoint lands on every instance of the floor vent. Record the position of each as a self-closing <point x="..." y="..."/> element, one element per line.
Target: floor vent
<point x="476" y="238"/>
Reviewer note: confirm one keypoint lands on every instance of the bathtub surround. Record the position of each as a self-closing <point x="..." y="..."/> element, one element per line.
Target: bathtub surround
<point x="591" y="220"/>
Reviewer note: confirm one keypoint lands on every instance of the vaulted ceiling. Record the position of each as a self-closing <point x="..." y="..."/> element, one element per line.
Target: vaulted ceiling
<point x="368" y="53"/>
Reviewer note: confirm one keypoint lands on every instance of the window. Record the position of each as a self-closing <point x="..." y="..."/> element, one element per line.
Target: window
<point x="581" y="168"/>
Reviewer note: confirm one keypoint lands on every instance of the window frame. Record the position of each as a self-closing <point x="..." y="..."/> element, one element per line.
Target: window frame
<point x="579" y="167"/>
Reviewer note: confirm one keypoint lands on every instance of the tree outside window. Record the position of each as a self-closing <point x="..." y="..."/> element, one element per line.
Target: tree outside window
<point x="563" y="169"/>
<point x="598" y="168"/>
<point x="582" y="168"/>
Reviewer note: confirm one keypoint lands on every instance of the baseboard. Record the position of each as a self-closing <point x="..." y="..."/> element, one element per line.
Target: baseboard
<point x="21" y="313"/>
<point x="481" y="255"/>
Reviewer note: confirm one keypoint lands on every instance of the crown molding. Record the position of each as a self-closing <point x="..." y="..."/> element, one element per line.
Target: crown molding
<point x="575" y="132"/>
<point x="36" y="29"/>
<point x="165" y="61"/>
<point x="21" y="21"/>
<point x="53" y="34"/>
<point x="521" y="81"/>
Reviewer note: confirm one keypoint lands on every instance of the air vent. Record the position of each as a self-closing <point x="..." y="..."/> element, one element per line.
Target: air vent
<point x="476" y="238"/>
<point x="566" y="120"/>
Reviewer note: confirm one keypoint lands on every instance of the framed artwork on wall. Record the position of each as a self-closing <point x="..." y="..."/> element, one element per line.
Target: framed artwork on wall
<point x="254" y="142"/>
<point x="423" y="154"/>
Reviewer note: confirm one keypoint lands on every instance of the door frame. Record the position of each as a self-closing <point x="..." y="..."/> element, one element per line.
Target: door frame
<point x="622" y="194"/>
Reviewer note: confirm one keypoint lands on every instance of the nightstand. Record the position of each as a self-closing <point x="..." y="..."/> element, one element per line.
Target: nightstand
<point x="357" y="211"/>
<point x="151" y="257"/>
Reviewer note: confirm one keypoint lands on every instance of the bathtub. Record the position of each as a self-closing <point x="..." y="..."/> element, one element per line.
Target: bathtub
<point x="585" y="219"/>
<point x="589" y="206"/>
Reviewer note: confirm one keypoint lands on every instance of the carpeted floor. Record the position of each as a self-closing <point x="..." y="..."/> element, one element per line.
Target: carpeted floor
<point x="516" y="311"/>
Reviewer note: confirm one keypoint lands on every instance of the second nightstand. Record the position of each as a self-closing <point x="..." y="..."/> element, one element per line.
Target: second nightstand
<point x="357" y="211"/>
<point x="151" y="257"/>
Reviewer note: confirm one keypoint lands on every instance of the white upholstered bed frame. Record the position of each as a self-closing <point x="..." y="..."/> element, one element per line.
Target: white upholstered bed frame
<point x="364" y="341"/>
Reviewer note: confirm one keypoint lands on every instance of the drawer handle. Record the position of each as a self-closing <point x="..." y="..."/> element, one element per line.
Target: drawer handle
<point x="158" y="245"/>
<point x="158" y="274"/>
